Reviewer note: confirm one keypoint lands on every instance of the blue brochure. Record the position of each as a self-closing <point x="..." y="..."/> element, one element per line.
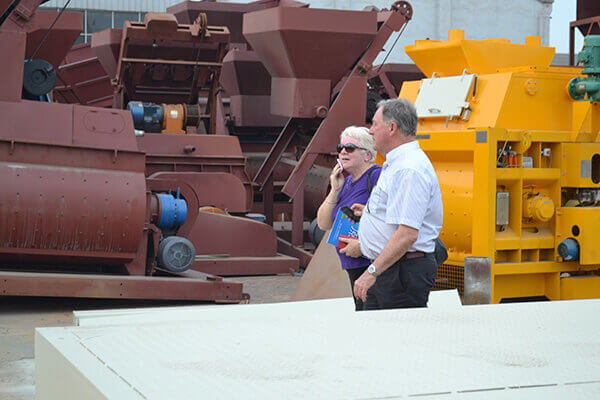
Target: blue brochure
<point x="343" y="227"/>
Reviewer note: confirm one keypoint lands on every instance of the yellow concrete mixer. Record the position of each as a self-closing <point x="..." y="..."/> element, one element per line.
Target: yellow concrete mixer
<point x="516" y="146"/>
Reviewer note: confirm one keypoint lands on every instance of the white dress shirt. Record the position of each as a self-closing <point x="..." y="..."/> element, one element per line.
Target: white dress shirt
<point x="407" y="193"/>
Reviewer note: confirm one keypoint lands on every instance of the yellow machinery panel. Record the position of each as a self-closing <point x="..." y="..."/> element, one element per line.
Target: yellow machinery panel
<point x="582" y="224"/>
<point x="579" y="287"/>
<point x="518" y="161"/>
<point x="582" y="165"/>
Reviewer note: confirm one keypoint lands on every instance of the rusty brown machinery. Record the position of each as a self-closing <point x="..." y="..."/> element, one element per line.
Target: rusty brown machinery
<point x="168" y="75"/>
<point x="172" y="59"/>
<point x="160" y="69"/>
<point x="246" y="83"/>
<point x="79" y="216"/>
<point x="246" y="94"/>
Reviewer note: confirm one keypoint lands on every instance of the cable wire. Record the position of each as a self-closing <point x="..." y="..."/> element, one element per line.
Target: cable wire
<point x="393" y="45"/>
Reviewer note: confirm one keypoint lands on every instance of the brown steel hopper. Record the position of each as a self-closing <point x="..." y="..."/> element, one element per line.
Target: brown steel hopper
<point x="79" y="216"/>
<point x="82" y="79"/>
<point x="307" y="51"/>
<point x="248" y="85"/>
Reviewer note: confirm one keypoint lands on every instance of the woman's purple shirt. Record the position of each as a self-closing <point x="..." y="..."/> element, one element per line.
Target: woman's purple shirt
<point x="352" y="193"/>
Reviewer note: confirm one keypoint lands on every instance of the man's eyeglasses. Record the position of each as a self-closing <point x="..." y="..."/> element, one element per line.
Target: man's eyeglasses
<point x="349" y="148"/>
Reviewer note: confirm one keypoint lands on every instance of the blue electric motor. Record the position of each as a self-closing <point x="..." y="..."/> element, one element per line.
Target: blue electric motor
<point x="568" y="250"/>
<point x="173" y="211"/>
<point x="147" y="117"/>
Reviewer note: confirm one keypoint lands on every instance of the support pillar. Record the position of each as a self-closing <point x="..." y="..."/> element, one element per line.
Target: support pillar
<point x="298" y="217"/>
<point x="268" y="201"/>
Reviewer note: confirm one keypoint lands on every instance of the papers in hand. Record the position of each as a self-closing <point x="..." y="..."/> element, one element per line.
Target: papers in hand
<point x="343" y="227"/>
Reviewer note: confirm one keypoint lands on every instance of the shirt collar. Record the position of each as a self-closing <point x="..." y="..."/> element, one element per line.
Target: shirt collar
<point x="400" y="152"/>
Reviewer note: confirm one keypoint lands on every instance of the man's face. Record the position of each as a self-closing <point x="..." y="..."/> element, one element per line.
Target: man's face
<point x="379" y="131"/>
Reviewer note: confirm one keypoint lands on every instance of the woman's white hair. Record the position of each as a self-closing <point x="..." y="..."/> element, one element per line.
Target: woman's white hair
<point x="361" y="135"/>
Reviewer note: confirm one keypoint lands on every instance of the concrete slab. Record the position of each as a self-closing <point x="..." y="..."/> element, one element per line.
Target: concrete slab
<point x="345" y="305"/>
<point x="444" y="299"/>
<point x="236" y="312"/>
<point x="500" y="351"/>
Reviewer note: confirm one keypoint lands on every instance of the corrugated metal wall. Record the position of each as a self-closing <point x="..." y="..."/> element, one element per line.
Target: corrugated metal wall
<point x="116" y="5"/>
<point x="481" y="19"/>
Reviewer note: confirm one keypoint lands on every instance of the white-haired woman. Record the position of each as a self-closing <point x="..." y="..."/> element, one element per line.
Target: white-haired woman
<point x="356" y="156"/>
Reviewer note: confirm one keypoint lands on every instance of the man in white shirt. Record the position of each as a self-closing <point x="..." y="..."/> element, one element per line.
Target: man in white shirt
<point x="402" y="218"/>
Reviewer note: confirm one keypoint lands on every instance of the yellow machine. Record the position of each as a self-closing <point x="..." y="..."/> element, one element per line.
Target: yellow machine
<point x="518" y="161"/>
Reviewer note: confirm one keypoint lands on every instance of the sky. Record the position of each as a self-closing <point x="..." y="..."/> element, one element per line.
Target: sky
<point x="563" y="12"/>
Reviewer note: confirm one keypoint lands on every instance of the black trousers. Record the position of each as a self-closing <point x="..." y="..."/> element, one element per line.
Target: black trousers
<point x="354" y="274"/>
<point x="405" y="284"/>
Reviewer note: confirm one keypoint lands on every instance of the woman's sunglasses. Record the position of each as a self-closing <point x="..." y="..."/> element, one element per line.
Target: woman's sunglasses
<point x="349" y="148"/>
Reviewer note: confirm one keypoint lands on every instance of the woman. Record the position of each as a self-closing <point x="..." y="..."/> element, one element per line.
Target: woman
<point x="356" y="157"/>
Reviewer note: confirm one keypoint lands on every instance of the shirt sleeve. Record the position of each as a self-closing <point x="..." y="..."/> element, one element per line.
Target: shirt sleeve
<point x="408" y="199"/>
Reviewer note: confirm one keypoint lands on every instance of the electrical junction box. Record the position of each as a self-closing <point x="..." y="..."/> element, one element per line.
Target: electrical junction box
<point x="502" y="207"/>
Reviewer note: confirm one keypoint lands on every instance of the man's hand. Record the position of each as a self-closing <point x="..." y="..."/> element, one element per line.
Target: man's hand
<point x="358" y="209"/>
<point x="362" y="285"/>
<point x="352" y="249"/>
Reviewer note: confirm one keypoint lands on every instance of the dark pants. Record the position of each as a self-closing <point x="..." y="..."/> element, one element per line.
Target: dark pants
<point x="405" y="284"/>
<point x="354" y="274"/>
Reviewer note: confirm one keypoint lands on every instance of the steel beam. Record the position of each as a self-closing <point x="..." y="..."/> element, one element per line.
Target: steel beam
<point x="228" y="266"/>
<point x="210" y="288"/>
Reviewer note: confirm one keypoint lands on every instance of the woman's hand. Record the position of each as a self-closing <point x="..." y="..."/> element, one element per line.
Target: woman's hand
<point x="337" y="179"/>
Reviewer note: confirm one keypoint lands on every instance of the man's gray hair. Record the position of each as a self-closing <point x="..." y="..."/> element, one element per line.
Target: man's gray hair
<point x="402" y="112"/>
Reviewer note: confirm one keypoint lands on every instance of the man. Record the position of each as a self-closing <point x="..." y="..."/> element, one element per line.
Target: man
<point x="402" y="218"/>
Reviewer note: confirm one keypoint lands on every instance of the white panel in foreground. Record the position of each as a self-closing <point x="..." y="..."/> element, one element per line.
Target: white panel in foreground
<point x="344" y="305"/>
<point x="507" y="351"/>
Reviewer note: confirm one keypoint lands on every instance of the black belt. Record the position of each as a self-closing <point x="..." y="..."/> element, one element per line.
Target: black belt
<point x="412" y="254"/>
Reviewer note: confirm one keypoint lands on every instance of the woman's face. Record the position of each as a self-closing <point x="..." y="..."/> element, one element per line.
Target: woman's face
<point x="353" y="160"/>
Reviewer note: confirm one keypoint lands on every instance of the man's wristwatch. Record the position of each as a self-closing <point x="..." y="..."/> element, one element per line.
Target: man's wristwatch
<point x="373" y="271"/>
